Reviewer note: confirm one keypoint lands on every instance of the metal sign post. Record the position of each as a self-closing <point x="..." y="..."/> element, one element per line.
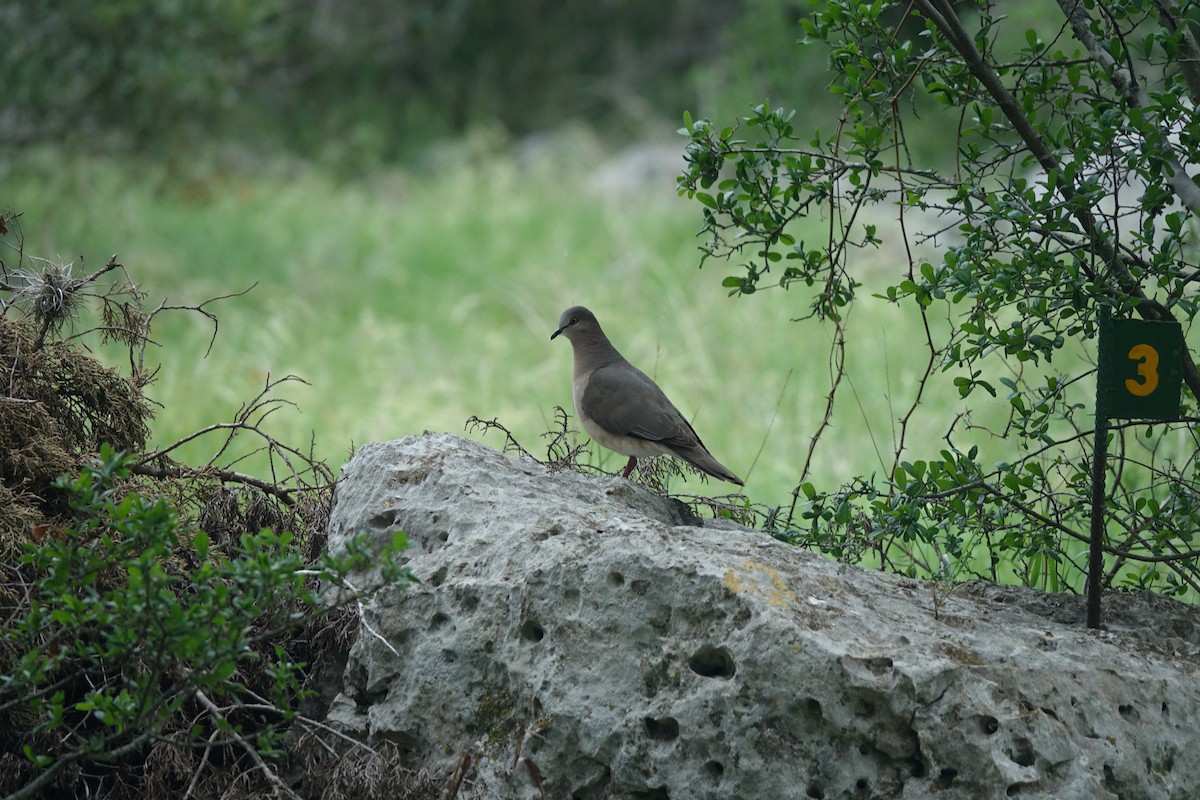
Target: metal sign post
<point x="1140" y="372"/>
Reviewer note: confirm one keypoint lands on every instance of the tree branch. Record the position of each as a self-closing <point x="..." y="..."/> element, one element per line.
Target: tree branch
<point x="1126" y="82"/>
<point x="1189" y="51"/>
<point x="227" y="475"/>
<point x="943" y="15"/>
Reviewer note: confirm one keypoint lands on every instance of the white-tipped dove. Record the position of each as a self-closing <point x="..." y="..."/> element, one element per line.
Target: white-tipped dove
<point x="621" y="408"/>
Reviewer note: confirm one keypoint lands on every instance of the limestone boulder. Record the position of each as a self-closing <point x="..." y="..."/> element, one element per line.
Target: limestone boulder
<point x="579" y="637"/>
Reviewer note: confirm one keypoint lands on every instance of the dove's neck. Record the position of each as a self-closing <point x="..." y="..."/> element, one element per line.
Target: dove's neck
<point x="593" y="354"/>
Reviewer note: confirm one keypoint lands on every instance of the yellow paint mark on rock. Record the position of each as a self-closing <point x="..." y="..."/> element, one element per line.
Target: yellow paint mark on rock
<point x="732" y="583"/>
<point x="749" y="579"/>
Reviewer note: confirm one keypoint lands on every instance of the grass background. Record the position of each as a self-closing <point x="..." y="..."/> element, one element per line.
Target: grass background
<point x="420" y="296"/>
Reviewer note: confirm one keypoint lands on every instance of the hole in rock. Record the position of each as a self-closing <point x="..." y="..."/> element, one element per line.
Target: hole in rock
<point x="945" y="778"/>
<point x="1023" y="752"/>
<point x="815" y="792"/>
<point x="1166" y="711"/>
<point x="662" y="730"/>
<point x="438" y="620"/>
<point x="469" y="602"/>
<point x="988" y="724"/>
<point x="406" y="741"/>
<point x="712" y="662"/>
<point x="616" y="579"/>
<point x="531" y="631"/>
<point x="383" y="520"/>
<point x="657" y="793"/>
<point x="810" y="709"/>
<point x="861" y="784"/>
<point x="1013" y="790"/>
<point x="640" y="587"/>
<point x="715" y="769"/>
<point x="438" y="577"/>
<point x="596" y="789"/>
<point x="1130" y="713"/>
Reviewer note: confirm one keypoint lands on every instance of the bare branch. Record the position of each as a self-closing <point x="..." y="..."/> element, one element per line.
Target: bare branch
<point x="227" y="475"/>
<point x="280" y="788"/>
<point x="1125" y="81"/>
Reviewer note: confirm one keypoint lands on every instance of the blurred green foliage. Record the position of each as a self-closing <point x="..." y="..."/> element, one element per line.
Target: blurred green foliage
<point x="375" y="79"/>
<point x="126" y="70"/>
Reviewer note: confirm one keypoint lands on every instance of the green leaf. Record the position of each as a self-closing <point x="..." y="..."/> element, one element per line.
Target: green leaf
<point x="40" y="761"/>
<point x="200" y="542"/>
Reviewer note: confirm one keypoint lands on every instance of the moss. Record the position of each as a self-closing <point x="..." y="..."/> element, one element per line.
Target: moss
<point x="494" y="720"/>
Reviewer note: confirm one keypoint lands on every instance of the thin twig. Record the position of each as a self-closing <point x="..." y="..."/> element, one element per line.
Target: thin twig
<point x="227" y="475"/>
<point x="274" y="780"/>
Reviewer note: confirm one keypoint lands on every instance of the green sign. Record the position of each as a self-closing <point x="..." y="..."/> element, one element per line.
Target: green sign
<point x="1141" y="369"/>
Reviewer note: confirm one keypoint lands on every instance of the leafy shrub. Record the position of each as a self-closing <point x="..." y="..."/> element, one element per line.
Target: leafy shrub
<point x="1056" y="188"/>
<point x="162" y="623"/>
<point x="136" y="630"/>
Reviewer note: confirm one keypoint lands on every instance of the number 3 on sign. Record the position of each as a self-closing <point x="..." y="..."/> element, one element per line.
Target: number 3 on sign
<point x="1147" y="381"/>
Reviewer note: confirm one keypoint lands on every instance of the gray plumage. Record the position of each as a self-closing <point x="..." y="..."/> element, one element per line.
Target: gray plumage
<point x="621" y="408"/>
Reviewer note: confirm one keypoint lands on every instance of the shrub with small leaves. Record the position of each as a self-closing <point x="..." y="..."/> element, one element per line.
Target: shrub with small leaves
<point x="138" y="629"/>
<point x="1039" y="166"/>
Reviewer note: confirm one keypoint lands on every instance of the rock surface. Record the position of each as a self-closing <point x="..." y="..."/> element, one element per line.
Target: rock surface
<point x="586" y="635"/>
